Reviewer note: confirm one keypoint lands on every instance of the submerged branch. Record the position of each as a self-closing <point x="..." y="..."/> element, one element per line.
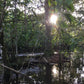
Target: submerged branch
<point x="11" y="69"/>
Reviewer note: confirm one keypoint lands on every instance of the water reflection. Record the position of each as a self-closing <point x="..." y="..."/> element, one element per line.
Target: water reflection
<point x="69" y="74"/>
<point x="75" y="80"/>
<point x="82" y="74"/>
<point x="83" y="68"/>
<point x="55" y="71"/>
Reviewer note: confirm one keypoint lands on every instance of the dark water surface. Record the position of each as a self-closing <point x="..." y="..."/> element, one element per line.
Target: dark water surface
<point x="69" y="73"/>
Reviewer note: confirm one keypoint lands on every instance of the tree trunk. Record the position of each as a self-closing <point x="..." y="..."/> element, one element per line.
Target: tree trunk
<point x="14" y="40"/>
<point x="48" y="46"/>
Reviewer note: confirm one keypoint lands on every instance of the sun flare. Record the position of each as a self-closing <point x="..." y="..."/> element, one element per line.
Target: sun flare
<point x="53" y="19"/>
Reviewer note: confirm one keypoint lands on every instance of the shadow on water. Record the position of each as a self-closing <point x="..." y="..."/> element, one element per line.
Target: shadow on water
<point x="71" y="72"/>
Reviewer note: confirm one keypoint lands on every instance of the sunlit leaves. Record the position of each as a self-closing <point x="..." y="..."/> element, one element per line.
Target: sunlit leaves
<point x="59" y="2"/>
<point x="52" y="3"/>
<point x="65" y="4"/>
<point x="68" y="4"/>
<point x="35" y="31"/>
<point x="49" y="3"/>
<point x="70" y="18"/>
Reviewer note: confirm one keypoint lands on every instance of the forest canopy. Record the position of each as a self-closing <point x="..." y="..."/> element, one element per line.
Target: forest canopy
<point x="24" y="24"/>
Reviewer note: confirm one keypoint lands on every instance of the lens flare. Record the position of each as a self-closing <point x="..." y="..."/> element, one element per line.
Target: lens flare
<point x="53" y="19"/>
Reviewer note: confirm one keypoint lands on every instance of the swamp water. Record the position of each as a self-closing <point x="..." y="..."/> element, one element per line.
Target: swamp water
<point x="70" y="72"/>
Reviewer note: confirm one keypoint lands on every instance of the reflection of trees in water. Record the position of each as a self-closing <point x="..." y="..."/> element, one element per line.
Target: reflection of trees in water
<point x="55" y="71"/>
<point x="73" y="74"/>
<point x="77" y="68"/>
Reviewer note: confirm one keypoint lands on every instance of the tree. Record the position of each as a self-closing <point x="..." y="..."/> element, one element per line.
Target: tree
<point x="48" y="30"/>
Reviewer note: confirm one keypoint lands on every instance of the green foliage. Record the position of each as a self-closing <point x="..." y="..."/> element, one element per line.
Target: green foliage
<point x="31" y="30"/>
<point x="65" y="4"/>
<point x="71" y="19"/>
<point x="52" y="3"/>
<point x="69" y="5"/>
<point x="49" y="2"/>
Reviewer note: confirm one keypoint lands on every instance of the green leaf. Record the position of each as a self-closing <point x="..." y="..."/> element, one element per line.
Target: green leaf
<point x="49" y="3"/>
<point x="70" y="18"/>
<point x="55" y="3"/>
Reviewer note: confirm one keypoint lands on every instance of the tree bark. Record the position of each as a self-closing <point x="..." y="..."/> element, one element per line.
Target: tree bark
<point x="48" y="46"/>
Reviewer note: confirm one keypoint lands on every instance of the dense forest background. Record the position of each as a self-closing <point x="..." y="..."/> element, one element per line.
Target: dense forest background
<point x="25" y="28"/>
<point x="23" y="23"/>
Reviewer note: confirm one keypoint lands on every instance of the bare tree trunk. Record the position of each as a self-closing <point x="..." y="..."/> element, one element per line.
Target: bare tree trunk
<point x="48" y="46"/>
<point x="14" y="34"/>
<point x="25" y="22"/>
<point x="14" y="41"/>
<point x="15" y="28"/>
<point x="14" y="37"/>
